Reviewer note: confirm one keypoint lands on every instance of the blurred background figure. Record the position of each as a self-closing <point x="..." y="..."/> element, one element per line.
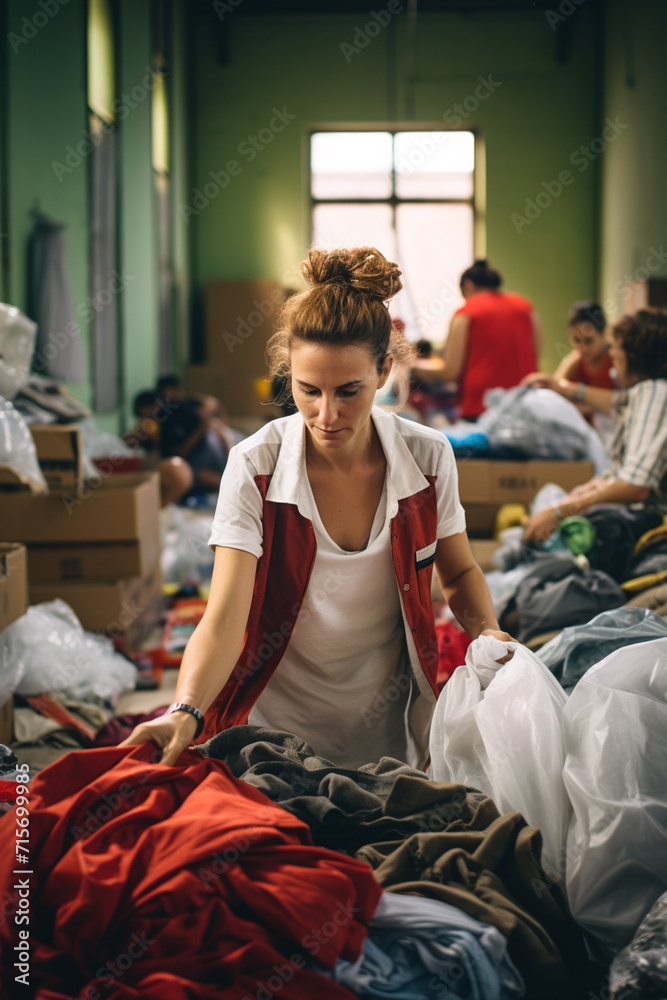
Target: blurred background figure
<point x="494" y="341"/>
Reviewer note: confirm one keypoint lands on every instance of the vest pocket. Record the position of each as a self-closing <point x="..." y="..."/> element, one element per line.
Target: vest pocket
<point x="424" y="559"/>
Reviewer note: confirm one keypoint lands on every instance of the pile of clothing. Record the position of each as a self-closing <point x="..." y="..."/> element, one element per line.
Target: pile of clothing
<point x="255" y="869"/>
<point x="613" y="557"/>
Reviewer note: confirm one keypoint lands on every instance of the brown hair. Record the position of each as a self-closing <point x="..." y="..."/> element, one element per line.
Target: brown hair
<point x="643" y="337"/>
<point x="345" y="305"/>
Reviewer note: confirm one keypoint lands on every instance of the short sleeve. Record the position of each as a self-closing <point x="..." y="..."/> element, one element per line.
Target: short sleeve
<point x="644" y="461"/>
<point x="451" y="516"/>
<point x="237" y="523"/>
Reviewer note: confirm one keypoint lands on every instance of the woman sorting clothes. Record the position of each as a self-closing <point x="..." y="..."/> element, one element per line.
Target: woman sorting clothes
<point x="638" y="470"/>
<point x="327" y="528"/>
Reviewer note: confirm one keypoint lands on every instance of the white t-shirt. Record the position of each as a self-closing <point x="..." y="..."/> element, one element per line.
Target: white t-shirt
<point x="345" y="682"/>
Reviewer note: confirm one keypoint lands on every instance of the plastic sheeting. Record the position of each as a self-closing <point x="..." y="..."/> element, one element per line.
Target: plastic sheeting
<point x="17" y="448"/>
<point x="498" y="728"/>
<point x="186" y="557"/>
<point x="579" y="647"/>
<point x="615" y="728"/>
<point x="48" y="650"/>
<point x="17" y="344"/>
<point x="539" y="423"/>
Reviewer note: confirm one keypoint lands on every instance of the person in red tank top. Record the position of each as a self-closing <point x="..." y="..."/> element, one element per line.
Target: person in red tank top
<point x="493" y="341"/>
<point x="588" y="363"/>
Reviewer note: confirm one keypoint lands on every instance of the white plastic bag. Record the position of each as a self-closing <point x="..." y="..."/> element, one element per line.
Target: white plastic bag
<point x="539" y="423"/>
<point x="615" y="730"/>
<point x="17" y="343"/>
<point x="47" y="650"/>
<point x="186" y="556"/>
<point x="17" y="447"/>
<point x="498" y="728"/>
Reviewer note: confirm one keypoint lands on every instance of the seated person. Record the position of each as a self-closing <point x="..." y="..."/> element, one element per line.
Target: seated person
<point x="170" y="390"/>
<point x="638" y="473"/>
<point x="176" y="476"/>
<point x="588" y="364"/>
<point x="493" y="341"/>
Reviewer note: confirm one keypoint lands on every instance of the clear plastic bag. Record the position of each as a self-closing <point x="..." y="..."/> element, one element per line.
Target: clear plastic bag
<point x="101" y="444"/>
<point x="186" y="556"/>
<point x="498" y="728"/>
<point x="615" y="731"/>
<point x="539" y="423"/>
<point x="578" y="647"/>
<point x="17" y="448"/>
<point x="48" y="650"/>
<point x="17" y="344"/>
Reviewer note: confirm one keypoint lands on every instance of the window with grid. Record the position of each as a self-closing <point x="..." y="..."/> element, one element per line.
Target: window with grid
<point x="412" y="195"/>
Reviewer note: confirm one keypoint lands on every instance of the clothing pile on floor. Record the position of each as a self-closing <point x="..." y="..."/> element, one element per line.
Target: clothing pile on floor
<point x="255" y="869"/>
<point x="615" y="557"/>
<point x="254" y="866"/>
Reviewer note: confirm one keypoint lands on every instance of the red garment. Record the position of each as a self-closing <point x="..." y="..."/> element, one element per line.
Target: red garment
<point x="601" y="378"/>
<point x="119" y="727"/>
<point x="281" y="581"/>
<point x="8" y="791"/>
<point x="173" y="883"/>
<point x="453" y="643"/>
<point x="501" y="346"/>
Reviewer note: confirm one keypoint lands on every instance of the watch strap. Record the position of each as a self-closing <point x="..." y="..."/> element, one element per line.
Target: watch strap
<point x="179" y="706"/>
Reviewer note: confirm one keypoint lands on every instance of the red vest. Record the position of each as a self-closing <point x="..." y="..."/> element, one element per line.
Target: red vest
<point x="283" y="572"/>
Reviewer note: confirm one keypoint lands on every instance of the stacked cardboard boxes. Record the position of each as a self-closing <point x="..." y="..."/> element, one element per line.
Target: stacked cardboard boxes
<point x="98" y="549"/>
<point x="240" y="317"/>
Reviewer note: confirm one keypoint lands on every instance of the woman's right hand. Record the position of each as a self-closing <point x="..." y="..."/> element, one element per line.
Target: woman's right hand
<point x="172" y="734"/>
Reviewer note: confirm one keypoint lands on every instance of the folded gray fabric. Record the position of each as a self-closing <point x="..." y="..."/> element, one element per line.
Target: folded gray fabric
<point x="573" y="600"/>
<point x="418" y="947"/>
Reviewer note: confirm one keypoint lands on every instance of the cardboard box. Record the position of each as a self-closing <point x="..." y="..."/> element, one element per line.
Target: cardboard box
<point x="486" y="484"/>
<point x="7" y="722"/>
<point x="483" y="550"/>
<point x="486" y="481"/>
<point x="118" y="508"/>
<point x="481" y="519"/>
<point x="95" y="562"/>
<point x="13" y="583"/>
<point x="60" y="455"/>
<point x="111" y="607"/>
<point x="240" y="317"/>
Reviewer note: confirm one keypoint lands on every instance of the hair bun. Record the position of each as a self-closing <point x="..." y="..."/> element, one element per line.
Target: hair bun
<point x="363" y="269"/>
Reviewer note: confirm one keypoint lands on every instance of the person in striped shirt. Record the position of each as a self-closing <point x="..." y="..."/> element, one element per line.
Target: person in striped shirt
<point x="638" y="471"/>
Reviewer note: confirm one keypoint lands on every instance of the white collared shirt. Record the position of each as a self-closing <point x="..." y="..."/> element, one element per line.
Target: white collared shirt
<point x="348" y="646"/>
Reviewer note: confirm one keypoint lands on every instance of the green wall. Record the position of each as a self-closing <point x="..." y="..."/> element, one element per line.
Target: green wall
<point x="138" y="222"/>
<point x="45" y="106"/>
<point x="543" y="110"/>
<point x="634" y="185"/>
<point x="46" y="113"/>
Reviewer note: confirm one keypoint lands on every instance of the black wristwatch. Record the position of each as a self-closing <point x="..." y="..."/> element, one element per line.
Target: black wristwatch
<point x="179" y="706"/>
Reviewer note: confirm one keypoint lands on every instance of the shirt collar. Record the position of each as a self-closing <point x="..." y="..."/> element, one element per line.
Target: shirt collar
<point x="404" y="477"/>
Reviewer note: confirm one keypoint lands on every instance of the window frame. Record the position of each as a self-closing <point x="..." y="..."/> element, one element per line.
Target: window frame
<point x="477" y="201"/>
